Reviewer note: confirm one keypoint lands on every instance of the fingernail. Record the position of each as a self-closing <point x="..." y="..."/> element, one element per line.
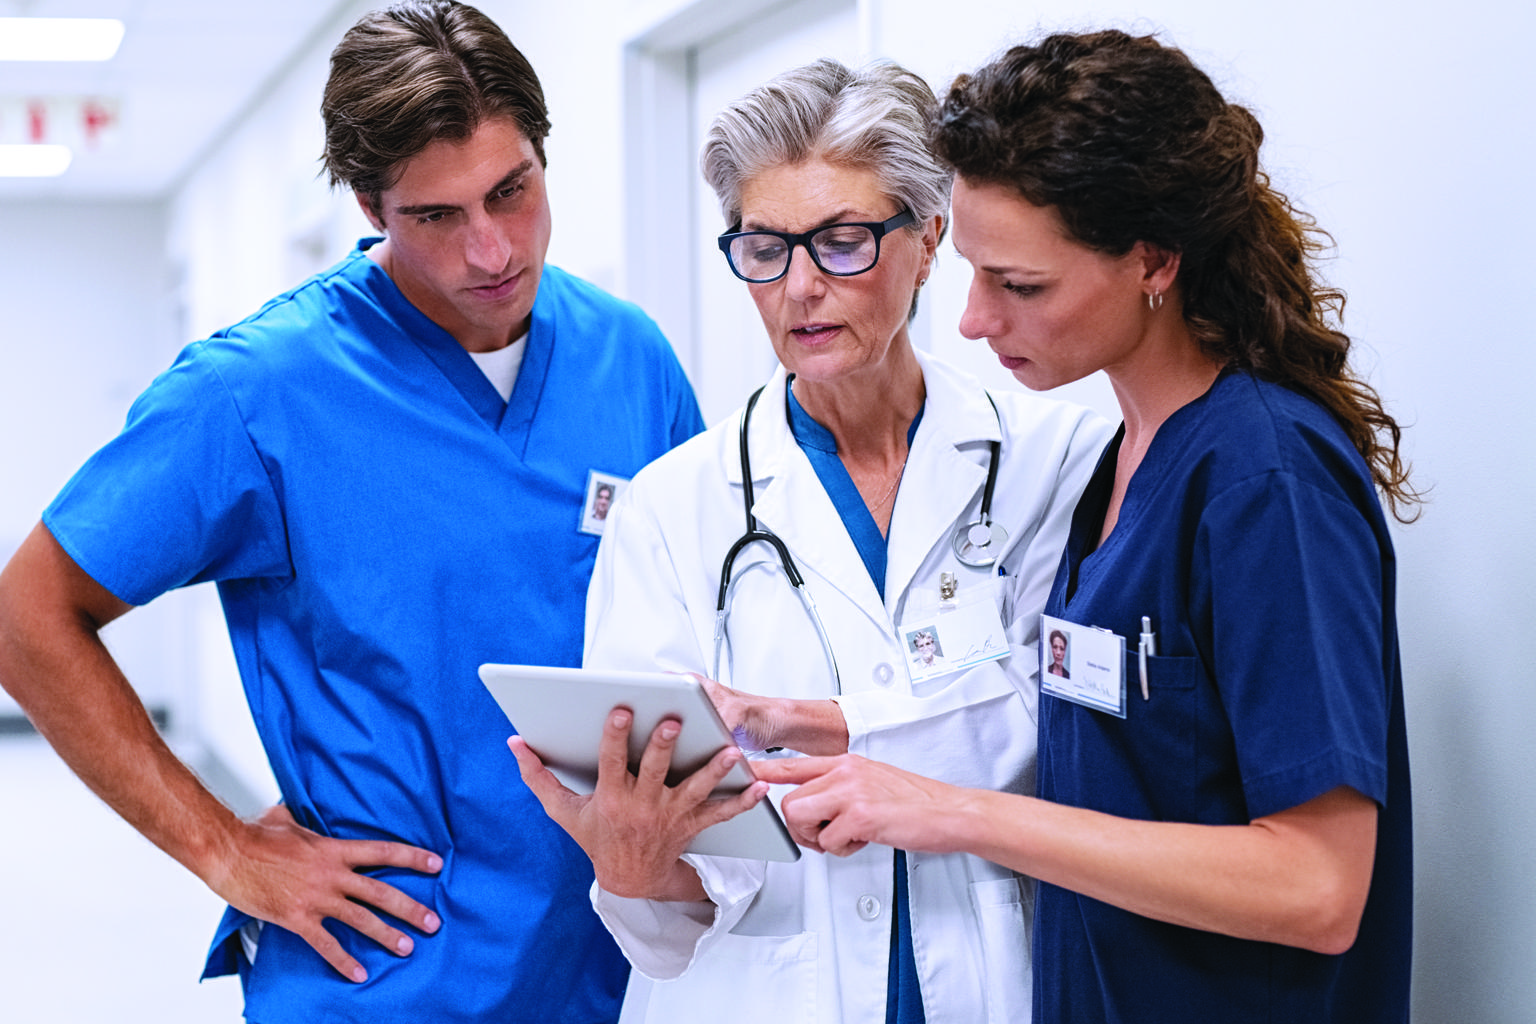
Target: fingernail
<point x="434" y="863"/>
<point x="405" y="945"/>
<point x="430" y="922"/>
<point x="359" y="975"/>
<point x="620" y="719"/>
<point x="669" y="730"/>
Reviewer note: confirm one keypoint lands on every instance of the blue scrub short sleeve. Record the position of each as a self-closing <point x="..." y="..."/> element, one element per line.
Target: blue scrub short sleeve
<point x="179" y="497"/>
<point x="687" y="420"/>
<point x="1291" y="585"/>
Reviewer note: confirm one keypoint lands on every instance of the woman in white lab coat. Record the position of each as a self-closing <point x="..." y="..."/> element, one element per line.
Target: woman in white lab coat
<point x="865" y="458"/>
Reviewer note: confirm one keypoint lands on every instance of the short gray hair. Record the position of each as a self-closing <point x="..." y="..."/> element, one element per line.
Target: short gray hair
<point x="875" y="118"/>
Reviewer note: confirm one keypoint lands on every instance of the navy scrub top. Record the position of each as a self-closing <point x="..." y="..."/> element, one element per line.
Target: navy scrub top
<point x="1252" y="537"/>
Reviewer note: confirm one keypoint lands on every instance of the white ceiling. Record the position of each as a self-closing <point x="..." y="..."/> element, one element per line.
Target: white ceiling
<point x="185" y="71"/>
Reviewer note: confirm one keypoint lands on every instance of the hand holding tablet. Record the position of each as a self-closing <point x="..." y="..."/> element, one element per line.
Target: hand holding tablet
<point x="562" y="715"/>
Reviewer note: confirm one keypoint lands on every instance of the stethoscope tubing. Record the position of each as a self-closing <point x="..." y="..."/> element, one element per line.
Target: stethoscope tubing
<point x="965" y="547"/>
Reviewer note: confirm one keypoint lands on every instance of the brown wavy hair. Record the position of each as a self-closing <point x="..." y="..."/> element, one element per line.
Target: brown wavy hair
<point x="418" y="71"/>
<point x="1129" y="141"/>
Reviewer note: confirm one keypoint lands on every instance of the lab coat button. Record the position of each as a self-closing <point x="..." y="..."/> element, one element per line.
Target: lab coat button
<point x="869" y="907"/>
<point x="884" y="674"/>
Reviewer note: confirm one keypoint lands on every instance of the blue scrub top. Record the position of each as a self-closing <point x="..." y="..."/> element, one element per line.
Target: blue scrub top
<point x="1252" y="537"/>
<point x="379" y="523"/>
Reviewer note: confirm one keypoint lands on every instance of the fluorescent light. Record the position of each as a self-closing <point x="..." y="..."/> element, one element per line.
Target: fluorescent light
<point x="34" y="161"/>
<point x="59" y="38"/>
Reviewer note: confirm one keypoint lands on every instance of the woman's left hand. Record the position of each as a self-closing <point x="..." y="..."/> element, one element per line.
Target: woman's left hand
<point x="845" y="803"/>
<point x="634" y="826"/>
<point x="768" y="723"/>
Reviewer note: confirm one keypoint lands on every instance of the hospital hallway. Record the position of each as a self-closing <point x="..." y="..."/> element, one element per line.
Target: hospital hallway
<point x="96" y="924"/>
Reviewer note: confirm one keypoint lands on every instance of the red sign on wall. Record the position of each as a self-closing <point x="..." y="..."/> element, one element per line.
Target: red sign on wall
<point x="83" y="123"/>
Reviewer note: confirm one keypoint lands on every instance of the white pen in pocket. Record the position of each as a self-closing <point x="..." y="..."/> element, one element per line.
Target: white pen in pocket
<point x="1147" y="648"/>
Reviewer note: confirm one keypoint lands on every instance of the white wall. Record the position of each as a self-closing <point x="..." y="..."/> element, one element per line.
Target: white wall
<point x="82" y="291"/>
<point x="1397" y="126"/>
<point x="85" y="324"/>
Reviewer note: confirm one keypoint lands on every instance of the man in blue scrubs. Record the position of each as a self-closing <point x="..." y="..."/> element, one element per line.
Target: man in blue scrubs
<point x="386" y="471"/>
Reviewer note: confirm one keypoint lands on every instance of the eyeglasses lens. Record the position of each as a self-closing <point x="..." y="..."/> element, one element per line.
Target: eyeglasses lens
<point x="843" y="249"/>
<point x="839" y="249"/>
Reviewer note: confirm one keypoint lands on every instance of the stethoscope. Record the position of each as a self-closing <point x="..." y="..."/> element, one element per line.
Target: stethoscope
<point x="976" y="544"/>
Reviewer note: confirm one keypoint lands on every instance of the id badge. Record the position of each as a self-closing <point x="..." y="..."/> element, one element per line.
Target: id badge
<point x="602" y="490"/>
<point x="1082" y="664"/>
<point x="960" y="627"/>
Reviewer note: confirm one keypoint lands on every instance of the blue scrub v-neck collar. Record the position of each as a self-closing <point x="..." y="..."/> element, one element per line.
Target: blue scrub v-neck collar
<point x="1158" y="460"/>
<point x="455" y="363"/>
<point x="820" y="448"/>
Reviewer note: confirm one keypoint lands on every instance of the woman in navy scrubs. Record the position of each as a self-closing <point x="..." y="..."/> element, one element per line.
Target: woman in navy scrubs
<point x="1229" y="837"/>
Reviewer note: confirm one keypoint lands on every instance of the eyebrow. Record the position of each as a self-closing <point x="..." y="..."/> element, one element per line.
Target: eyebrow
<point x="840" y="217"/>
<point x="1000" y="270"/>
<point x="512" y="177"/>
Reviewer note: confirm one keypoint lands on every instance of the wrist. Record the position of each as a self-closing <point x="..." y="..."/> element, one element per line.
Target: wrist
<point x="212" y="852"/>
<point x="684" y="885"/>
<point x="679" y="883"/>
<point x="195" y="827"/>
<point x="815" y="727"/>
<point x="981" y="822"/>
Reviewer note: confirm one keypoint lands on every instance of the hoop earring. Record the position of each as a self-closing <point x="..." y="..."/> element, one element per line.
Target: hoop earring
<point x="1155" y="301"/>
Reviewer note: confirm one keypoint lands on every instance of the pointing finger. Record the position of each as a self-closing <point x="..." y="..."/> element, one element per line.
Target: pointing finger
<point x="794" y="770"/>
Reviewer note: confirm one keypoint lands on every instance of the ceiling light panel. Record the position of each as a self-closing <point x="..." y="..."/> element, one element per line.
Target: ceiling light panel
<point x="59" y="39"/>
<point x="34" y="161"/>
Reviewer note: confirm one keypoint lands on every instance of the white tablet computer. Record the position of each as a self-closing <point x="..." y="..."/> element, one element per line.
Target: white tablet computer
<point x="560" y="712"/>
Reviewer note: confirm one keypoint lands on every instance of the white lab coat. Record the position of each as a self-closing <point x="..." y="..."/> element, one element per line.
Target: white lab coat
<point x="810" y="941"/>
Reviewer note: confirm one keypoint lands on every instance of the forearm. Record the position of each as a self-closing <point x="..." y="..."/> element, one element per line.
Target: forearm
<point x="111" y="743"/>
<point x="53" y="661"/>
<point x="809" y="726"/>
<point x="54" y="664"/>
<point x="1298" y="878"/>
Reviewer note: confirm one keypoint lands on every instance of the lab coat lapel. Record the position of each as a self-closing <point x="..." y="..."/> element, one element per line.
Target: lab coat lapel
<point x="792" y="503"/>
<point x="949" y="478"/>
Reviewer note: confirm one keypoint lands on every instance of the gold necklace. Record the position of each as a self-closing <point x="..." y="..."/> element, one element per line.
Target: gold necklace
<point x="877" y="506"/>
<point x="892" y="489"/>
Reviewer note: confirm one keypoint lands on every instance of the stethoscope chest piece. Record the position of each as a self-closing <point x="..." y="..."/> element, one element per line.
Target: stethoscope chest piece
<point x="978" y="543"/>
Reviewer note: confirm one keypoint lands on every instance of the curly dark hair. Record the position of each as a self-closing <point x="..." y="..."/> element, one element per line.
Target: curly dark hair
<point x="410" y="74"/>
<point x="1130" y="142"/>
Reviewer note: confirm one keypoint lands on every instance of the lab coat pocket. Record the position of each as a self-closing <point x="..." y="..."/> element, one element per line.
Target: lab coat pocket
<point x="1005" y="916"/>
<point x="772" y="975"/>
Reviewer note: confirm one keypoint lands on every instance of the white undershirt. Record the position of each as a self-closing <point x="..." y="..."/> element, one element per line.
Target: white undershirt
<point x="500" y="367"/>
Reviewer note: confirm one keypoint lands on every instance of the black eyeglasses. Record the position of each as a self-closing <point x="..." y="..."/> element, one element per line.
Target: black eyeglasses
<point x="841" y="250"/>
